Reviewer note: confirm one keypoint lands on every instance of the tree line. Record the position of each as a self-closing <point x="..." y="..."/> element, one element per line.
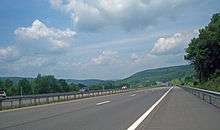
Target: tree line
<point x="39" y="85"/>
<point x="49" y="84"/>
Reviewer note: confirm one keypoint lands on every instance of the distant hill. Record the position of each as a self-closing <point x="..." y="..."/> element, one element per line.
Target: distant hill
<point x="144" y="77"/>
<point x="15" y="79"/>
<point x="158" y="75"/>
<point x="85" y="82"/>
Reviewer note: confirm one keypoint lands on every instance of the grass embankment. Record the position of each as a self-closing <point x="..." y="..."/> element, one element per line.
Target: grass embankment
<point x="212" y="84"/>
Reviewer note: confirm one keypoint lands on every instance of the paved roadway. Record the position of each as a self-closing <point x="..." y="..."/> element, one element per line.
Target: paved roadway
<point x="115" y="112"/>
<point x="183" y="111"/>
<point x="179" y="110"/>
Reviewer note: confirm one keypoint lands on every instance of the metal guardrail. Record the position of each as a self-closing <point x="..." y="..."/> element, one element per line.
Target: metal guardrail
<point x="206" y="95"/>
<point x="31" y="100"/>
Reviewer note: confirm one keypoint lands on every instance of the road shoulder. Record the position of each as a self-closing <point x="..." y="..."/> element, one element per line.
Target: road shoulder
<point x="182" y="110"/>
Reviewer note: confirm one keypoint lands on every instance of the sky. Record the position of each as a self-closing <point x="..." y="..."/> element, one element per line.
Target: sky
<point x="97" y="39"/>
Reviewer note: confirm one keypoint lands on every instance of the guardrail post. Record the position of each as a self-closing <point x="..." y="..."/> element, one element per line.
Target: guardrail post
<point x="210" y="99"/>
<point x="31" y="102"/>
<point x="58" y="98"/>
<point x="203" y="96"/>
<point x="19" y="102"/>
<point x="11" y="103"/>
<point x="1" y="105"/>
<point x="47" y="99"/>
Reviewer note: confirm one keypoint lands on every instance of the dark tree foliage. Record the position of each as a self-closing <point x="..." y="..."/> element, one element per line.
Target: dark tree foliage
<point x="204" y="52"/>
<point x="82" y="85"/>
<point x="9" y="88"/>
<point x="25" y="86"/>
<point x="1" y="85"/>
<point x="96" y="87"/>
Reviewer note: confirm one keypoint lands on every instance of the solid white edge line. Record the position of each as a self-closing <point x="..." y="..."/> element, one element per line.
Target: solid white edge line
<point x="102" y="103"/>
<point x="141" y="119"/>
<point x="133" y="95"/>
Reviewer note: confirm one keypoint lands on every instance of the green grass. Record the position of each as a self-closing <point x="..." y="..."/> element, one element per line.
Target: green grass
<point x="212" y="84"/>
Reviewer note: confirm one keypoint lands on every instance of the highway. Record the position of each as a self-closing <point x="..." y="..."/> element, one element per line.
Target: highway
<point x="115" y="112"/>
<point x="178" y="110"/>
<point x="183" y="111"/>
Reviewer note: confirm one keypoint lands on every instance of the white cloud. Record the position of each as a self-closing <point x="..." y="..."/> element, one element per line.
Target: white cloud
<point x="56" y="3"/>
<point x="36" y="46"/>
<point x="129" y="14"/>
<point x="173" y="44"/>
<point x="8" y="53"/>
<point x="135" y="58"/>
<point x="39" y="31"/>
<point x="32" y="61"/>
<point x="106" y="57"/>
<point x="84" y="14"/>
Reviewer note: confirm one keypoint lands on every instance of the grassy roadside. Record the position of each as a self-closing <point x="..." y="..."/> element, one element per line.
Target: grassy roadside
<point x="212" y="84"/>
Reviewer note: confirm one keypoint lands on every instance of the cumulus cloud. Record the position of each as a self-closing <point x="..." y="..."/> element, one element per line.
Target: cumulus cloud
<point x="129" y="14"/>
<point x="106" y="57"/>
<point x="35" y="46"/>
<point x="172" y="44"/>
<point x="8" y="53"/>
<point x="56" y="38"/>
<point x="84" y="15"/>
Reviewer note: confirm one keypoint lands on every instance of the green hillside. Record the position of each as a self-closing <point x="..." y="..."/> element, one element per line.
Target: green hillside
<point x="152" y="76"/>
<point x="88" y="82"/>
<point x="15" y="80"/>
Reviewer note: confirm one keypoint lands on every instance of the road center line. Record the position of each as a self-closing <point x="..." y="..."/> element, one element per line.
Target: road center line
<point x="100" y="103"/>
<point x="144" y="116"/>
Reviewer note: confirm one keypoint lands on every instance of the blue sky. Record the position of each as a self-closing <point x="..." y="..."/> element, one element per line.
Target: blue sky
<point x="105" y="39"/>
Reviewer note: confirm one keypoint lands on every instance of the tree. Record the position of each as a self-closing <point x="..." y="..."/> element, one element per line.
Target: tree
<point x="74" y="87"/>
<point x="25" y="87"/>
<point x="96" y="87"/>
<point x="63" y="85"/>
<point x="204" y="52"/>
<point x="82" y="85"/>
<point x="9" y="88"/>
<point x="1" y="85"/>
<point x="46" y="84"/>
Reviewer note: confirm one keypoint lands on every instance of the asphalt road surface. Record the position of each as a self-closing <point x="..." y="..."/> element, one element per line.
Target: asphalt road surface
<point x="183" y="111"/>
<point x="115" y="112"/>
<point x="179" y="110"/>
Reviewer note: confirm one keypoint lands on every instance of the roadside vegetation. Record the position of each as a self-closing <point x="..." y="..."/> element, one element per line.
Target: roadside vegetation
<point x="204" y="54"/>
<point x="47" y="84"/>
<point x="38" y="85"/>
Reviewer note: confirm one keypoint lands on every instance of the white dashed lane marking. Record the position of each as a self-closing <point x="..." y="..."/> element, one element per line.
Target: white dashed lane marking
<point x="101" y="103"/>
